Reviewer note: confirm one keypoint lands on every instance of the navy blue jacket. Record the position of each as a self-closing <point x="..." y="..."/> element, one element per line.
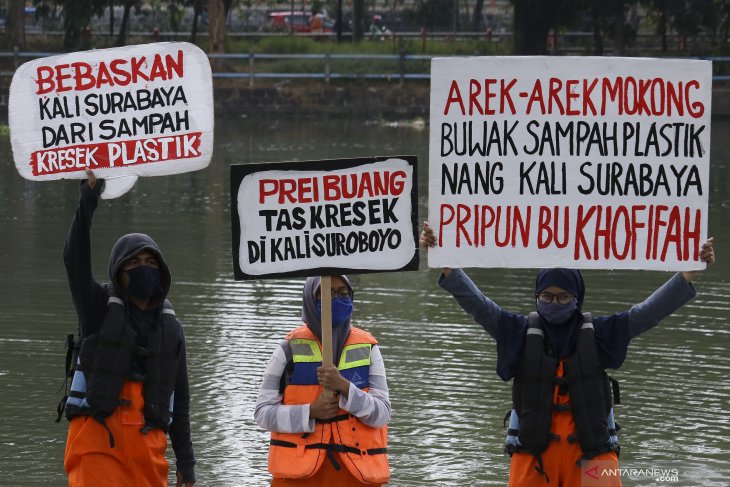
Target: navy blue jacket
<point x="613" y="333"/>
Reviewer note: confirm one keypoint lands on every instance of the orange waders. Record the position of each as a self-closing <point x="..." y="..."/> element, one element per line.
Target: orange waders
<point x="560" y="459"/>
<point x="137" y="459"/>
<point x="326" y="476"/>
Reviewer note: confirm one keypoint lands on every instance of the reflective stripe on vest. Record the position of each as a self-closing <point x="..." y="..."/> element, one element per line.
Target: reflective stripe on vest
<point x="77" y="393"/>
<point x="354" y="364"/>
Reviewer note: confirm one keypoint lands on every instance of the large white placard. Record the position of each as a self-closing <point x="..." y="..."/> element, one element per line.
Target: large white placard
<point x="144" y="110"/>
<point x="569" y="162"/>
<point x="320" y="217"/>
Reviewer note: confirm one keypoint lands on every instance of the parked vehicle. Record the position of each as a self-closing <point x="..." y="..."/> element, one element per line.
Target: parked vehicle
<point x="297" y="21"/>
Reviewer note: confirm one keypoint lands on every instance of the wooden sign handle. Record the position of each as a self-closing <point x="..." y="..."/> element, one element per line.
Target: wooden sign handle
<point x="325" y="287"/>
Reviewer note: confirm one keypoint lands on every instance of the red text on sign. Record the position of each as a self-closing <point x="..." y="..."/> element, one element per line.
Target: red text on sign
<point x="592" y="232"/>
<point x="577" y="97"/>
<point x="81" y="76"/>
<point x="115" y="154"/>
<point x="332" y="187"/>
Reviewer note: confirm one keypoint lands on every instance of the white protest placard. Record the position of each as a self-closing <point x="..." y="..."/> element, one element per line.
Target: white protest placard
<point x="144" y="110"/>
<point x="326" y="217"/>
<point x="579" y="162"/>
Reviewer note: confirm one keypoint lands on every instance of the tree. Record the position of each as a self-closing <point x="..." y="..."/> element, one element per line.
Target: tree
<point x="358" y="21"/>
<point x="597" y="26"/>
<point x="476" y="21"/>
<point x="435" y="14"/>
<point x="16" y="24"/>
<point x="124" y="26"/>
<point x="533" y="21"/>
<point x="723" y="21"/>
<point x="77" y="16"/>
<point x="216" y="25"/>
<point x="619" y="36"/>
<point x="688" y="17"/>
<point x="175" y="13"/>
<point x="197" y="12"/>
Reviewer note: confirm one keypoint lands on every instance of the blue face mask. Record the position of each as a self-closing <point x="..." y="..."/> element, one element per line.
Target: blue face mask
<point x="341" y="310"/>
<point x="144" y="282"/>
<point x="556" y="313"/>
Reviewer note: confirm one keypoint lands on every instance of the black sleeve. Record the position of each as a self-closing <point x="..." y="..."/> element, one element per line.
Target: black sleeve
<point x="89" y="297"/>
<point x="180" y="435"/>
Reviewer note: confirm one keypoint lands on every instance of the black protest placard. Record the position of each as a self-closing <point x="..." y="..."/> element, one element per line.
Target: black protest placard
<point x="339" y="216"/>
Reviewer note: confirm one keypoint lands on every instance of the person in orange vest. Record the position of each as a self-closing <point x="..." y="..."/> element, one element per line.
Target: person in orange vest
<point x="562" y="431"/>
<point x="130" y="386"/>
<point x="316" y="24"/>
<point x="326" y="439"/>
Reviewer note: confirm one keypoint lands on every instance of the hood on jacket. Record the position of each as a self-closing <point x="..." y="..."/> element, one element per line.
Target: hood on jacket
<point x="127" y="247"/>
<point x="313" y="320"/>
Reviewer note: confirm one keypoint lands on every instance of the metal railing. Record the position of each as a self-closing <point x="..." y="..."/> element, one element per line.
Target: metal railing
<point x="327" y="61"/>
<point x="254" y="66"/>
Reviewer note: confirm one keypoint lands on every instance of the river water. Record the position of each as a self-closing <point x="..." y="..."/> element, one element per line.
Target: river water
<point x="448" y="402"/>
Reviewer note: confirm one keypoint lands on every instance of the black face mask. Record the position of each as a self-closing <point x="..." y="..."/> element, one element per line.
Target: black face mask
<point x="144" y="282"/>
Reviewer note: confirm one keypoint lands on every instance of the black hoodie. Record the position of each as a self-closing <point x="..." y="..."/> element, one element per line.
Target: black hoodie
<point x="90" y="301"/>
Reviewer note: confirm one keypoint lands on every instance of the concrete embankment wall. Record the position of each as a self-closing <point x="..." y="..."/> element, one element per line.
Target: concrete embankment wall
<point x="349" y="99"/>
<point x="318" y="99"/>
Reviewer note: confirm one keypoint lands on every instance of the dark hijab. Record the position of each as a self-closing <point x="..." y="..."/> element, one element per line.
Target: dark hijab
<point x="561" y="337"/>
<point x="312" y="318"/>
<point x="568" y="279"/>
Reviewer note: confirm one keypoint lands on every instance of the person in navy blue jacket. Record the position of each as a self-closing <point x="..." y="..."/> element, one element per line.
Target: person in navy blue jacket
<point x="574" y="396"/>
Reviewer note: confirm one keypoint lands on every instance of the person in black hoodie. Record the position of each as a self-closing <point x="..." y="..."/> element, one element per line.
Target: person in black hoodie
<point x="130" y="386"/>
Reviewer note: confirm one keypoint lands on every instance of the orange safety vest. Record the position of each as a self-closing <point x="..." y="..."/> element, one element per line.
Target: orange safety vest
<point x="361" y="448"/>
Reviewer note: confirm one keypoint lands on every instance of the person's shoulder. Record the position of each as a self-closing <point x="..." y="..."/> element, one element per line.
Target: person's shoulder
<point x="362" y="335"/>
<point x="302" y="331"/>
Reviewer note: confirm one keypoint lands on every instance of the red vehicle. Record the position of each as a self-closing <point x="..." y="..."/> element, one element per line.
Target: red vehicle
<point x="297" y="21"/>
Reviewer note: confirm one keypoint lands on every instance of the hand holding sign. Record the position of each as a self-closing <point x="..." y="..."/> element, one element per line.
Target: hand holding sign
<point x="143" y="110"/>
<point x="91" y="181"/>
<point x="428" y="240"/>
<point x="707" y="256"/>
<point x="324" y="407"/>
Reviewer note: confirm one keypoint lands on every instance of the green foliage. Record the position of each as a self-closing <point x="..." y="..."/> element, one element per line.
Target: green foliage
<point x="433" y="14"/>
<point x="176" y="13"/>
<point x="690" y="17"/>
<point x="302" y="45"/>
<point x="77" y="16"/>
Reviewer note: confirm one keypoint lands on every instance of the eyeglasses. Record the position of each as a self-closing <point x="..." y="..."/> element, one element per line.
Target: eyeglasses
<point x="340" y="292"/>
<point x="561" y="298"/>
